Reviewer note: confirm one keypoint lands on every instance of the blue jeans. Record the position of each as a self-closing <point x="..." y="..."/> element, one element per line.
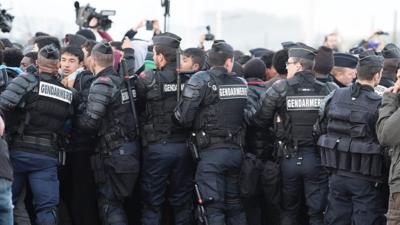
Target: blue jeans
<point x="6" y="208"/>
<point x="217" y="175"/>
<point x="41" y="171"/>
<point x="163" y="163"/>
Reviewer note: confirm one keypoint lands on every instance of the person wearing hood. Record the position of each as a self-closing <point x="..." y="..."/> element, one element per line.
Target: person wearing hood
<point x="141" y="49"/>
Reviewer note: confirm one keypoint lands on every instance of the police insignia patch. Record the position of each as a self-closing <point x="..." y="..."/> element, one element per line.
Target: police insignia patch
<point x="55" y="92"/>
<point x="125" y="95"/>
<point x="232" y="91"/>
<point x="171" y="87"/>
<point x="296" y="103"/>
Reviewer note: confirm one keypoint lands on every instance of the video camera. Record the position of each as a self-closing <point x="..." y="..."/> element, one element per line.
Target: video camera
<point x="5" y="21"/>
<point x="85" y="13"/>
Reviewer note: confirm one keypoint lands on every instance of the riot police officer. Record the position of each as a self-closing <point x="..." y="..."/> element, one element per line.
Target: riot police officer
<point x="350" y="148"/>
<point x="36" y="108"/>
<point x="344" y="69"/>
<point x="212" y="105"/>
<point x="109" y="115"/>
<point x="296" y="101"/>
<point x="165" y="157"/>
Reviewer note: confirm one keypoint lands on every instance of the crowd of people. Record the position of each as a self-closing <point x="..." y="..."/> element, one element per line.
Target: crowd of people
<point x="96" y="131"/>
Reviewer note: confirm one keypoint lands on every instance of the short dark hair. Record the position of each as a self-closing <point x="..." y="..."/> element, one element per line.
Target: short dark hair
<point x="42" y="41"/>
<point x="32" y="56"/>
<point x="198" y="55"/>
<point x="218" y="58"/>
<point x="88" y="45"/>
<point x="168" y="53"/>
<point x="305" y="63"/>
<point x="40" y="34"/>
<point x="279" y="61"/>
<point x="102" y="59"/>
<point x="367" y="72"/>
<point x="88" y="34"/>
<point x="391" y="65"/>
<point x="12" y="57"/>
<point x="73" y="50"/>
<point x="267" y="59"/>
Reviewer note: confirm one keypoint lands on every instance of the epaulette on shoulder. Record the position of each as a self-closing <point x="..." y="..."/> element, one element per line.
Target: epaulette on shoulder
<point x="148" y="77"/>
<point x="199" y="78"/>
<point x="103" y="80"/>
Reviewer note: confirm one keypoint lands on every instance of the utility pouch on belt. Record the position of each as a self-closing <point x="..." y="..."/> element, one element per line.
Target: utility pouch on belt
<point x="202" y="140"/>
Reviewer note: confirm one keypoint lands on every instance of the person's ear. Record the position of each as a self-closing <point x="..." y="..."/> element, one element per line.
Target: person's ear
<point x="299" y="67"/>
<point x="196" y="67"/>
<point x="377" y="76"/>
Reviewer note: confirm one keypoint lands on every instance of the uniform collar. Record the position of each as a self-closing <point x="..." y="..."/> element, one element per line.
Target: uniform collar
<point x="356" y="89"/>
<point x="255" y="81"/>
<point x="169" y="66"/>
<point x="338" y="82"/>
<point x="107" y="71"/>
<point x="217" y="70"/>
<point x="305" y="75"/>
<point x="47" y="76"/>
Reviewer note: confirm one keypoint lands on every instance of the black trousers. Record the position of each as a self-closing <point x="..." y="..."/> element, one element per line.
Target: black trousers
<point x="354" y="201"/>
<point x="78" y="190"/>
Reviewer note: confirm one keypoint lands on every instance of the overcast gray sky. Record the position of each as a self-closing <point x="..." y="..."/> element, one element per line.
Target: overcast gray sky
<point x="302" y="20"/>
